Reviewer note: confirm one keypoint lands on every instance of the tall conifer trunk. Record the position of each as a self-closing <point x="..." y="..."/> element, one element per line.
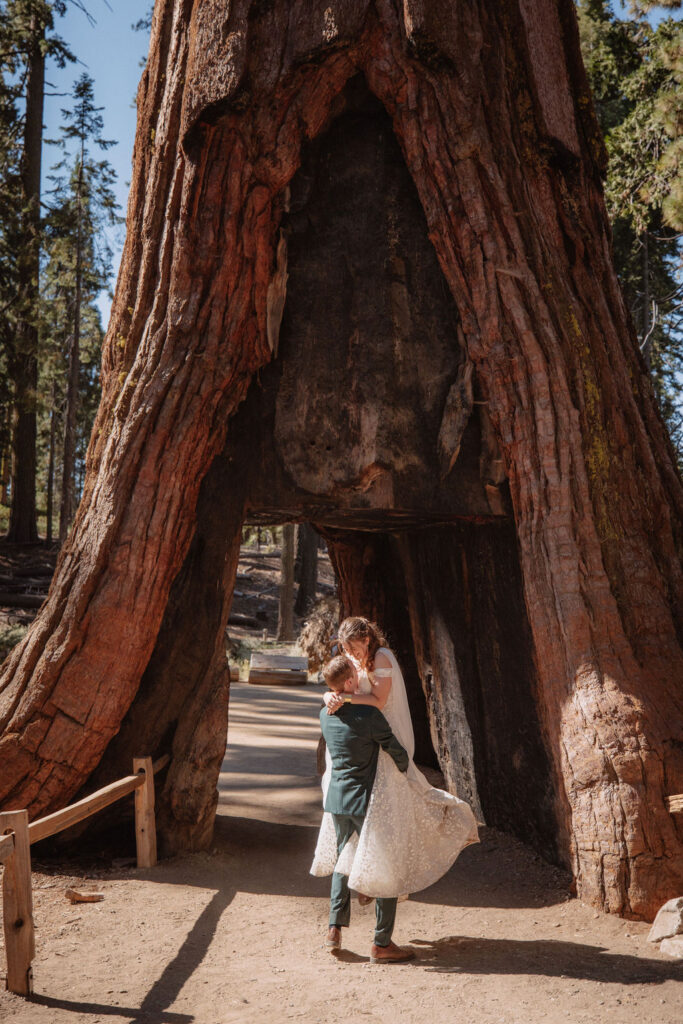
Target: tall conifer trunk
<point x="285" y="619"/>
<point x="307" y="559"/>
<point x="492" y="113"/>
<point x="23" y="362"/>
<point x="66" y="510"/>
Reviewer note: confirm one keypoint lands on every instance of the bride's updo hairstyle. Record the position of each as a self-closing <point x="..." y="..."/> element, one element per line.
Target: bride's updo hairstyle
<point x="358" y="628"/>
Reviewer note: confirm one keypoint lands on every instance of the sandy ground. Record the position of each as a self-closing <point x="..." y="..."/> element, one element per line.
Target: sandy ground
<point x="237" y="934"/>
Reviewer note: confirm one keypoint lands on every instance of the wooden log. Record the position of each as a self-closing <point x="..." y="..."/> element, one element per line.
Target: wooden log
<point x="275" y="677"/>
<point x="34" y="570"/>
<point x="57" y="822"/>
<point x="161" y="762"/>
<point x="248" y="621"/>
<point x="17" y="903"/>
<point x="260" y="567"/>
<point x="13" y="600"/>
<point x="145" y="824"/>
<point x="83" y="895"/>
<point x="19" y="583"/>
<point x="18" y="619"/>
<point x="6" y="847"/>
<point x="675" y="803"/>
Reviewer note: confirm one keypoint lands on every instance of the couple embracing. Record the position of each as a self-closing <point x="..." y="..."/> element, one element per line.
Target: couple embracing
<point x="385" y="832"/>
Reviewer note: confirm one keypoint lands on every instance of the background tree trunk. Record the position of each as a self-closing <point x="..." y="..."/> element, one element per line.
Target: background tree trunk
<point x="491" y="111"/>
<point x="306" y="573"/>
<point x="68" y="495"/>
<point x="285" y="620"/>
<point x="51" y="470"/>
<point x="23" y="362"/>
<point x="6" y="444"/>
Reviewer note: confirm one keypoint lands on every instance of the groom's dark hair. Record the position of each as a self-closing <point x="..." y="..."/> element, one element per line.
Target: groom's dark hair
<point x="337" y="671"/>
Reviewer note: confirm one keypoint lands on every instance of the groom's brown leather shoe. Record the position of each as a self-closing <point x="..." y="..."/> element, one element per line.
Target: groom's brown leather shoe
<point x="333" y="940"/>
<point x="391" y="954"/>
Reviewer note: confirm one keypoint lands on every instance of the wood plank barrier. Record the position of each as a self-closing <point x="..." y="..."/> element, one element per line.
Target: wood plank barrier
<point x="17" y="904"/>
<point x="17" y="835"/>
<point x="145" y="825"/>
<point x="283" y="669"/>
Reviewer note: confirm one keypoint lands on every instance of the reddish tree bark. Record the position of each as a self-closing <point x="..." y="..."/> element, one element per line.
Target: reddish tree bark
<point x="491" y="109"/>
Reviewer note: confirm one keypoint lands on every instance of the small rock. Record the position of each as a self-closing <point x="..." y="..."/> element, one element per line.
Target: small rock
<point x="668" y="922"/>
<point x="673" y="946"/>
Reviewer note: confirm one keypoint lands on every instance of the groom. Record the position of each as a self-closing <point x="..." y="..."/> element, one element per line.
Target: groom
<point x="354" y="735"/>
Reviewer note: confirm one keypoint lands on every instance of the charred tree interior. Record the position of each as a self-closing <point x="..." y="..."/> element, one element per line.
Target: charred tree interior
<point x="368" y="401"/>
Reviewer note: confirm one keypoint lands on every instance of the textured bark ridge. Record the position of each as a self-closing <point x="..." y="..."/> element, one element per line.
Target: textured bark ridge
<point x="449" y="368"/>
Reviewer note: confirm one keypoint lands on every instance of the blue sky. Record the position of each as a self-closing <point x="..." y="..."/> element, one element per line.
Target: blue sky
<point x="110" y="51"/>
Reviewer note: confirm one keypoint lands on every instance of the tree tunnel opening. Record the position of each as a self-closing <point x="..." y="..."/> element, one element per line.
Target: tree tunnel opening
<point x="369" y="423"/>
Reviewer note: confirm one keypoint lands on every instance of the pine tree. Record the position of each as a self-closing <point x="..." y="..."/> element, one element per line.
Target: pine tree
<point x="28" y="40"/>
<point x="10" y="235"/>
<point x="144" y="24"/>
<point x="636" y="77"/>
<point x="78" y="269"/>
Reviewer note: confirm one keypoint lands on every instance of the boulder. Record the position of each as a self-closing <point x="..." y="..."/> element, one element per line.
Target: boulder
<point x="668" y="922"/>
<point x="673" y="946"/>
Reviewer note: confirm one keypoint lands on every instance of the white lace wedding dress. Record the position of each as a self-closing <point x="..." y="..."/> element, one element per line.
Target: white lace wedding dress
<point x="412" y="833"/>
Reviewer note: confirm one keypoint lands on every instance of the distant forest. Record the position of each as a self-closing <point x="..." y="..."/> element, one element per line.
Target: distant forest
<point x="55" y="260"/>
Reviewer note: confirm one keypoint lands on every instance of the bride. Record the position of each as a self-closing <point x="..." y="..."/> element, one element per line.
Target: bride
<point x="412" y="833"/>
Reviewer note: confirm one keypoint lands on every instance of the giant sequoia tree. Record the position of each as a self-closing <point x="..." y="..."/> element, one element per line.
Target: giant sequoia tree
<point x="367" y="283"/>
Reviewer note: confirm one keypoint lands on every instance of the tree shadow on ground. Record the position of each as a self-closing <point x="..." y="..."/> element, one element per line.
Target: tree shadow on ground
<point x="462" y="954"/>
<point x="164" y="991"/>
<point x="247" y="849"/>
<point x="477" y="879"/>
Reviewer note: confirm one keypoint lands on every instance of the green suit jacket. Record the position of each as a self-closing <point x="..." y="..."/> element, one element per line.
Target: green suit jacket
<point x="354" y="735"/>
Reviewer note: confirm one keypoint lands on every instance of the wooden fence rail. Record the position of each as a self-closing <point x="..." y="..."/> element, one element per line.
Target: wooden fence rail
<point x="17" y="835"/>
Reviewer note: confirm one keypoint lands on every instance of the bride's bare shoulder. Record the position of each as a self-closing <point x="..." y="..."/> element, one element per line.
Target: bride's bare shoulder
<point x="382" y="659"/>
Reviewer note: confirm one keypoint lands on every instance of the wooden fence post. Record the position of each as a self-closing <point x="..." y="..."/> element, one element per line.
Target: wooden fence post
<point x="145" y="823"/>
<point x="17" y="900"/>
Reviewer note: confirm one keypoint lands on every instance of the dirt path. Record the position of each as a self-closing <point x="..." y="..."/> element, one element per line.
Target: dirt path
<point x="236" y="935"/>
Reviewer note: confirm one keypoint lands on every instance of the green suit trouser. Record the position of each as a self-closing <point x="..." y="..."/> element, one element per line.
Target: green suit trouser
<point x="340" y="897"/>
